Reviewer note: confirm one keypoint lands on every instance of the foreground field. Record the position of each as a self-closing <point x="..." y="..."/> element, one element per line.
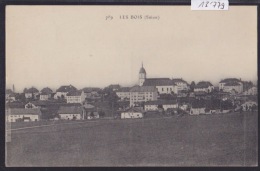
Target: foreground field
<point x="215" y="140"/>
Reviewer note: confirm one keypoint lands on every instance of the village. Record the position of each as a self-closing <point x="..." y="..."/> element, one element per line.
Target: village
<point x="152" y="97"/>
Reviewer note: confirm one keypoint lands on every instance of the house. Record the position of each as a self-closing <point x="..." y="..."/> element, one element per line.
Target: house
<point x="155" y="105"/>
<point x="198" y="107"/>
<point x="132" y="113"/>
<point x="76" y="97"/>
<point x="140" y="94"/>
<point x="181" y="84"/>
<point x="61" y="93"/>
<point x="91" y="111"/>
<point x="201" y="95"/>
<point x="123" y="93"/>
<point x="114" y="87"/>
<point x="71" y="112"/>
<point x="251" y="91"/>
<point x="163" y="85"/>
<point x="31" y="93"/>
<point x="229" y="84"/>
<point x="9" y="95"/>
<point x="204" y="86"/>
<point x="91" y="91"/>
<point x="45" y="93"/>
<point x="21" y="114"/>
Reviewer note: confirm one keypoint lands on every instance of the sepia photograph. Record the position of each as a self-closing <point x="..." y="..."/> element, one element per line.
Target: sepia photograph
<point x="130" y="85"/>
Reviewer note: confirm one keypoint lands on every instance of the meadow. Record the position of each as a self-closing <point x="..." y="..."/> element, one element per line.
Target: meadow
<point x="205" y="140"/>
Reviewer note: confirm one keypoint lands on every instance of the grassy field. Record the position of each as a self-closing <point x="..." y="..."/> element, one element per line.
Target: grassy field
<point x="206" y="140"/>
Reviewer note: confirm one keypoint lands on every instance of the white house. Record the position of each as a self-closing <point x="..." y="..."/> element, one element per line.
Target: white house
<point x="75" y="97"/>
<point x="204" y="86"/>
<point x="31" y="93"/>
<point x="63" y="91"/>
<point x="181" y="84"/>
<point x="197" y="110"/>
<point x="229" y="84"/>
<point x="71" y="112"/>
<point x="9" y="95"/>
<point x="142" y="94"/>
<point x="132" y="113"/>
<point x="198" y="107"/>
<point x="123" y="93"/>
<point x="23" y="115"/>
<point x="45" y="93"/>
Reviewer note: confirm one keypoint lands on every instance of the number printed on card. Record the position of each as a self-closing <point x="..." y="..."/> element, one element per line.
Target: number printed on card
<point x="209" y="4"/>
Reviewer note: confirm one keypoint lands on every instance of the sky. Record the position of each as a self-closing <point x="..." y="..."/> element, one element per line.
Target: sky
<point x="61" y="45"/>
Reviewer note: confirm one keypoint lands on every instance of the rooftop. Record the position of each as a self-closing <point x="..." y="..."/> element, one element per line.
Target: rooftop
<point x="22" y="111"/>
<point x="74" y="93"/>
<point x="143" y="89"/>
<point x="158" y="82"/>
<point x="46" y="91"/>
<point x="66" y="88"/>
<point x="230" y="79"/>
<point x="31" y="90"/>
<point x="124" y="89"/>
<point x="203" y="84"/>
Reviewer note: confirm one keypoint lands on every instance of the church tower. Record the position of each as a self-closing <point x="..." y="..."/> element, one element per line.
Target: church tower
<point x="142" y="76"/>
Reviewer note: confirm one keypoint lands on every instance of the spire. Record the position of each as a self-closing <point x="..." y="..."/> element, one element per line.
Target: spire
<point x="142" y="64"/>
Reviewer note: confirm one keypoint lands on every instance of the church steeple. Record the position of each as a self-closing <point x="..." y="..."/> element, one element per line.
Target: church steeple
<point x="142" y="75"/>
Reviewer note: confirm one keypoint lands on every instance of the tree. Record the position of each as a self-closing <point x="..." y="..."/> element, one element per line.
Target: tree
<point x="192" y="85"/>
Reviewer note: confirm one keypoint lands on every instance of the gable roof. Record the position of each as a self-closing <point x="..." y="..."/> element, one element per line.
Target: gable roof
<point x="31" y="90"/>
<point x="114" y="86"/>
<point x="158" y="82"/>
<point x="66" y="88"/>
<point x="175" y="80"/>
<point x="203" y="84"/>
<point x="74" y="93"/>
<point x="143" y="89"/>
<point x="230" y="80"/>
<point x="70" y="110"/>
<point x="22" y="111"/>
<point x="46" y="91"/>
<point x="233" y="83"/>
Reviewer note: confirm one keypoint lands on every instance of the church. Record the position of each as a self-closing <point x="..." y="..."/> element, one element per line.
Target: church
<point x="163" y="85"/>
